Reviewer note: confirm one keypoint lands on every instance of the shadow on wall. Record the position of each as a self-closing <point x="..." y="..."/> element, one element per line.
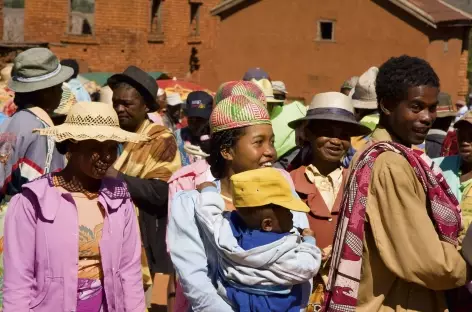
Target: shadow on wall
<point x="241" y="5"/>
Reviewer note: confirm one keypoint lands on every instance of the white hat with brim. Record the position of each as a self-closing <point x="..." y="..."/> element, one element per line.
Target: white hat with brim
<point x="332" y="106"/>
<point x="266" y="87"/>
<point x="279" y="86"/>
<point x="91" y="121"/>
<point x="36" y="69"/>
<point x="364" y="96"/>
<point x="174" y="99"/>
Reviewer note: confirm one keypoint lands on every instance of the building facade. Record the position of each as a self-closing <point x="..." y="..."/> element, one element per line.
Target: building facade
<point x="109" y="35"/>
<point x="313" y="46"/>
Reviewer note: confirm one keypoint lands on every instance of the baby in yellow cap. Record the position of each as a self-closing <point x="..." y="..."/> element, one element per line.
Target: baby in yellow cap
<point x="265" y="262"/>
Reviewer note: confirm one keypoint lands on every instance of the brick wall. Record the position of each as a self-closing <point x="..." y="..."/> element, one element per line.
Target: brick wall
<point x="121" y="34"/>
<point x="277" y="35"/>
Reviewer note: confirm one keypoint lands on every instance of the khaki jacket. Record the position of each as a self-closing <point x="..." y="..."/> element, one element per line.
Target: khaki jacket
<point x="406" y="267"/>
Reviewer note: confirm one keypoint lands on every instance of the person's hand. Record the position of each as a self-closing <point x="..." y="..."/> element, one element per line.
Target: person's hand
<point x="326" y="253"/>
<point x="112" y="172"/>
<point x="200" y="187"/>
<point x="308" y="232"/>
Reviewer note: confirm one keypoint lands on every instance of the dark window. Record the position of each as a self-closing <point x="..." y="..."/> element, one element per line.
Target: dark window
<point x="195" y="18"/>
<point x="13" y="20"/>
<point x="156" y="17"/>
<point x="326" y="30"/>
<point x="82" y="17"/>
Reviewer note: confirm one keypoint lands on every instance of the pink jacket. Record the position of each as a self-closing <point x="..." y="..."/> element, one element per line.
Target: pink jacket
<point x="41" y="250"/>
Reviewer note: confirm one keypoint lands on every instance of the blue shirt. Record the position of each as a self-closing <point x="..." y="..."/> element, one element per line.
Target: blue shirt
<point x="79" y="91"/>
<point x="244" y="300"/>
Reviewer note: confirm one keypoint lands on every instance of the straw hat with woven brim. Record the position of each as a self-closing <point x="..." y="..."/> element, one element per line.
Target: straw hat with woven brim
<point x="91" y="121"/>
<point x="364" y="96"/>
<point x="67" y="100"/>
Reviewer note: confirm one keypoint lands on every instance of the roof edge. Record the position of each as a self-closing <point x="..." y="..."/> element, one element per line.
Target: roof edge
<point x="415" y="11"/>
<point x="224" y="6"/>
<point x="450" y="6"/>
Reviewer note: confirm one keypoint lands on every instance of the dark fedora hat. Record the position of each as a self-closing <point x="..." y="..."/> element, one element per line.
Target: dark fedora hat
<point x="333" y="106"/>
<point x="141" y="81"/>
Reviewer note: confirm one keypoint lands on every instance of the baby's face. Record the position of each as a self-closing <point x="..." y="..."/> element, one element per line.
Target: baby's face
<point x="282" y="220"/>
<point x="269" y="218"/>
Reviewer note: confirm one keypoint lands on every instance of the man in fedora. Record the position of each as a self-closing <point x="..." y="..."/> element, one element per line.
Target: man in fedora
<point x="36" y="79"/>
<point x="145" y="167"/>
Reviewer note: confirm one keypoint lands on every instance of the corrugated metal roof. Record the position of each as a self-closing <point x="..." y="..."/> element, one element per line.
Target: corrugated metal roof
<point x="441" y="11"/>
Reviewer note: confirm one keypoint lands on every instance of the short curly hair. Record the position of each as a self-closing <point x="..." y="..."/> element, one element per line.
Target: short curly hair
<point x="398" y="74"/>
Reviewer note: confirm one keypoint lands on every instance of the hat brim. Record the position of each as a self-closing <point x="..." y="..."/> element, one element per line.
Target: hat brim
<point x="364" y="104"/>
<point x="294" y="205"/>
<point x="356" y="129"/>
<point x="24" y="87"/>
<point x="98" y="133"/>
<point x="197" y="113"/>
<point x="149" y="97"/>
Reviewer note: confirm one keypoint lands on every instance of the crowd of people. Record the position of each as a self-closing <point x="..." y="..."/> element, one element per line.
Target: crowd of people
<point x="247" y="201"/>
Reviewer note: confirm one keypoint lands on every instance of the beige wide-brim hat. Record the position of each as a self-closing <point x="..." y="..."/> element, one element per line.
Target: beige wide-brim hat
<point x="266" y="87"/>
<point x="68" y="100"/>
<point x="364" y="96"/>
<point x="332" y="106"/>
<point x="91" y="121"/>
<point x="36" y="69"/>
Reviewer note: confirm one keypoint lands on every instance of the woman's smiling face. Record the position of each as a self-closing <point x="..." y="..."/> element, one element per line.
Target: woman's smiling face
<point x="92" y="157"/>
<point x="329" y="140"/>
<point x="253" y="150"/>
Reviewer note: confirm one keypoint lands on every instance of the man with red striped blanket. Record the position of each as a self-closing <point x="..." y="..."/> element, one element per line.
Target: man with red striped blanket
<point x="396" y="244"/>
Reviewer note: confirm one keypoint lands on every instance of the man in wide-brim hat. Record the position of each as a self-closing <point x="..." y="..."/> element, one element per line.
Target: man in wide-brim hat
<point x="145" y="166"/>
<point x="36" y="79"/>
<point x="327" y="128"/>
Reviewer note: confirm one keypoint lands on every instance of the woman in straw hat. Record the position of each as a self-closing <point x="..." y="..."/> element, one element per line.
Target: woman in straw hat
<point x="241" y="139"/>
<point x="327" y="127"/>
<point x="36" y="79"/>
<point x="71" y="238"/>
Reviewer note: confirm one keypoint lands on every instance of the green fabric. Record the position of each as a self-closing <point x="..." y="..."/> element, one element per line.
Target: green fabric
<point x="284" y="135"/>
<point x="370" y="121"/>
<point x="450" y="167"/>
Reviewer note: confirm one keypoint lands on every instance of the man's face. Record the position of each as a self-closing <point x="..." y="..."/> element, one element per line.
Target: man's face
<point x="51" y="97"/>
<point x="410" y="119"/>
<point x="162" y="103"/>
<point x="174" y="112"/>
<point x="346" y="91"/>
<point x="464" y="140"/>
<point x="130" y="107"/>
<point x="198" y="126"/>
